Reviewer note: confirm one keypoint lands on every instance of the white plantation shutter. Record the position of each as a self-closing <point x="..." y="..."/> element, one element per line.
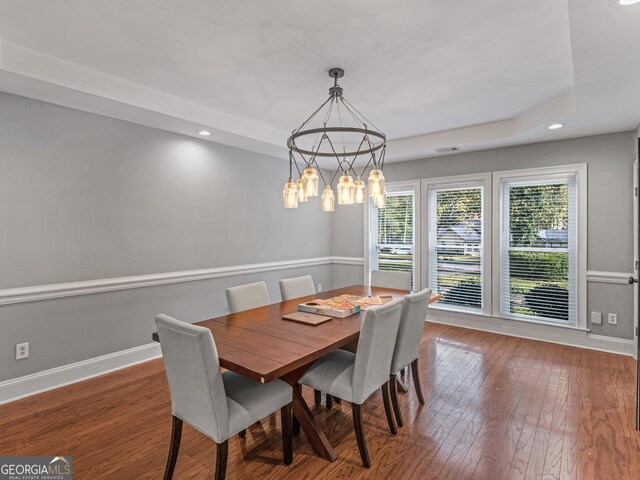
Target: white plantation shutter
<point x="456" y="225"/>
<point x="391" y="232"/>
<point x="538" y="248"/>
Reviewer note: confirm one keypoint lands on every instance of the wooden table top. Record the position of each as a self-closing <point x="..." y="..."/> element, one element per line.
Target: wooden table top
<point x="259" y="344"/>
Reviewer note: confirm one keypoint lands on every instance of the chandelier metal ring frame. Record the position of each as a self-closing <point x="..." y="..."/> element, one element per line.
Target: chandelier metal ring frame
<point x="324" y="139"/>
<point x="292" y="144"/>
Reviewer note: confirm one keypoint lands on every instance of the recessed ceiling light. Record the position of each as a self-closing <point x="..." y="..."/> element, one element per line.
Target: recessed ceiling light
<point x="204" y="133"/>
<point x="628" y="2"/>
<point x="555" y="126"/>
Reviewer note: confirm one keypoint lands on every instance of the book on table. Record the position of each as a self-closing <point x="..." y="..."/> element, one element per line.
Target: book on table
<point x="366" y="302"/>
<point x="336" y="307"/>
<point x="305" y="317"/>
<point x="343" y="305"/>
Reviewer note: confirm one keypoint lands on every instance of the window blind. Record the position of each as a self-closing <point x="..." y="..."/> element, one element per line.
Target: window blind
<point x="391" y="233"/>
<point x="538" y="249"/>
<point x="455" y="244"/>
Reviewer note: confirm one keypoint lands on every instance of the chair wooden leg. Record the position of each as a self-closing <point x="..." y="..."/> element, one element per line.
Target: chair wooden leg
<point x="387" y="409"/>
<point x="329" y="402"/>
<point x="221" y="460"/>
<point x="295" y="428"/>
<point x="393" y="384"/>
<point x="176" y="434"/>
<point x="287" y="437"/>
<point x="242" y="433"/>
<point x="317" y="397"/>
<point x="362" y="446"/>
<point x="415" y="370"/>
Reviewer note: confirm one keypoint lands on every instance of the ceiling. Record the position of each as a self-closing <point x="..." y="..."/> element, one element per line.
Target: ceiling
<point x="429" y="73"/>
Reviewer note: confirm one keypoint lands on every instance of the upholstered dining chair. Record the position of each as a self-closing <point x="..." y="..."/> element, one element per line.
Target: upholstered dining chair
<point x="246" y="297"/>
<point x="355" y="377"/>
<point x="297" y="287"/>
<point x="407" y="349"/>
<point x="217" y="404"/>
<point x="391" y="279"/>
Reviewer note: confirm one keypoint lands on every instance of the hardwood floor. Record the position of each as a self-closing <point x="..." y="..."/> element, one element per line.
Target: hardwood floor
<point x="496" y="407"/>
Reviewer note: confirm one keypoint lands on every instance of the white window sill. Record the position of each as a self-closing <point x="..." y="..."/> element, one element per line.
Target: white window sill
<point x="442" y="310"/>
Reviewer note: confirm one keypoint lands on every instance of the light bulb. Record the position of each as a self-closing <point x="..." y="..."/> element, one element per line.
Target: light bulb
<point x="361" y="191"/>
<point x="376" y="183"/>
<point x="302" y="196"/>
<point x="290" y="195"/>
<point x="310" y="181"/>
<point x="328" y="199"/>
<point x="346" y="190"/>
<point x="380" y="201"/>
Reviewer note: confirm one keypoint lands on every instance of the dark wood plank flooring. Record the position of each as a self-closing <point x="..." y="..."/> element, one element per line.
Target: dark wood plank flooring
<point x="497" y="407"/>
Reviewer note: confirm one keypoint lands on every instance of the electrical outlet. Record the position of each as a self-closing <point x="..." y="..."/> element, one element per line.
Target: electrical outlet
<point x="596" y="318"/>
<point x="319" y="287"/>
<point x="612" y="319"/>
<point x="22" y="350"/>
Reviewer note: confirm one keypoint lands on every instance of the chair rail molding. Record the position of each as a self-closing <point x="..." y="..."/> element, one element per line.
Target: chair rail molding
<point x="71" y="289"/>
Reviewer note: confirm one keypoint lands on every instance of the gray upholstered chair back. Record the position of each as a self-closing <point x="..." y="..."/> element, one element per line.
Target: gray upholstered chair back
<point x="297" y="287"/>
<point x="246" y="297"/>
<point x="414" y="312"/>
<point x="193" y="370"/>
<point x="375" y="349"/>
<point x="391" y="279"/>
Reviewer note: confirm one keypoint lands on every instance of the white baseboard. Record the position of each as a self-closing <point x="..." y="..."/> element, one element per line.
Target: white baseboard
<point x="21" y="387"/>
<point x="564" y="336"/>
<point x="35" y="383"/>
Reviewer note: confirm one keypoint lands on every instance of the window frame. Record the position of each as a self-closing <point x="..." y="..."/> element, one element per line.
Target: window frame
<point x="543" y="174"/>
<point x="391" y="187"/>
<point x="427" y="185"/>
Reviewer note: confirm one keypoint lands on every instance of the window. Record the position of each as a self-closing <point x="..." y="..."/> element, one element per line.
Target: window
<point x="392" y="238"/>
<point x="456" y="243"/>
<point x="539" y="248"/>
<point x="509" y="245"/>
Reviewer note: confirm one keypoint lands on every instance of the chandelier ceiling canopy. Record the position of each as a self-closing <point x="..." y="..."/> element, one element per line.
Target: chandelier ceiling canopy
<point x="336" y="129"/>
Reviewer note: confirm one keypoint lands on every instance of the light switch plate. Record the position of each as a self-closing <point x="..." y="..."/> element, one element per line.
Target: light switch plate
<point x="596" y="318"/>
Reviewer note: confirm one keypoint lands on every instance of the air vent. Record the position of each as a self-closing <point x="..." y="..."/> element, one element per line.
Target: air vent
<point x="448" y="149"/>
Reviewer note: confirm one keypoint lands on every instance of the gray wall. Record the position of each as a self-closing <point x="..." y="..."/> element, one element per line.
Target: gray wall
<point x="610" y="208"/>
<point x="85" y="197"/>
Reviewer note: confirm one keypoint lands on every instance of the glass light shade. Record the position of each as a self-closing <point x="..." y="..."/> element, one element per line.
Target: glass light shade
<point x="302" y="196"/>
<point x="310" y="182"/>
<point x="328" y="199"/>
<point x="360" y="191"/>
<point x="376" y="183"/>
<point x="290" y="195"/>
<point x="346" y="190"/>
<point x="380" y="201"/>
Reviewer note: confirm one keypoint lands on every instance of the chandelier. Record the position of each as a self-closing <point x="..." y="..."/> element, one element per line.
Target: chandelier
<point x="336" y="130"/>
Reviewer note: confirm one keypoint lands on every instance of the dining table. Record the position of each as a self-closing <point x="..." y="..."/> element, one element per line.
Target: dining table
<point x="261" y="345"/>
